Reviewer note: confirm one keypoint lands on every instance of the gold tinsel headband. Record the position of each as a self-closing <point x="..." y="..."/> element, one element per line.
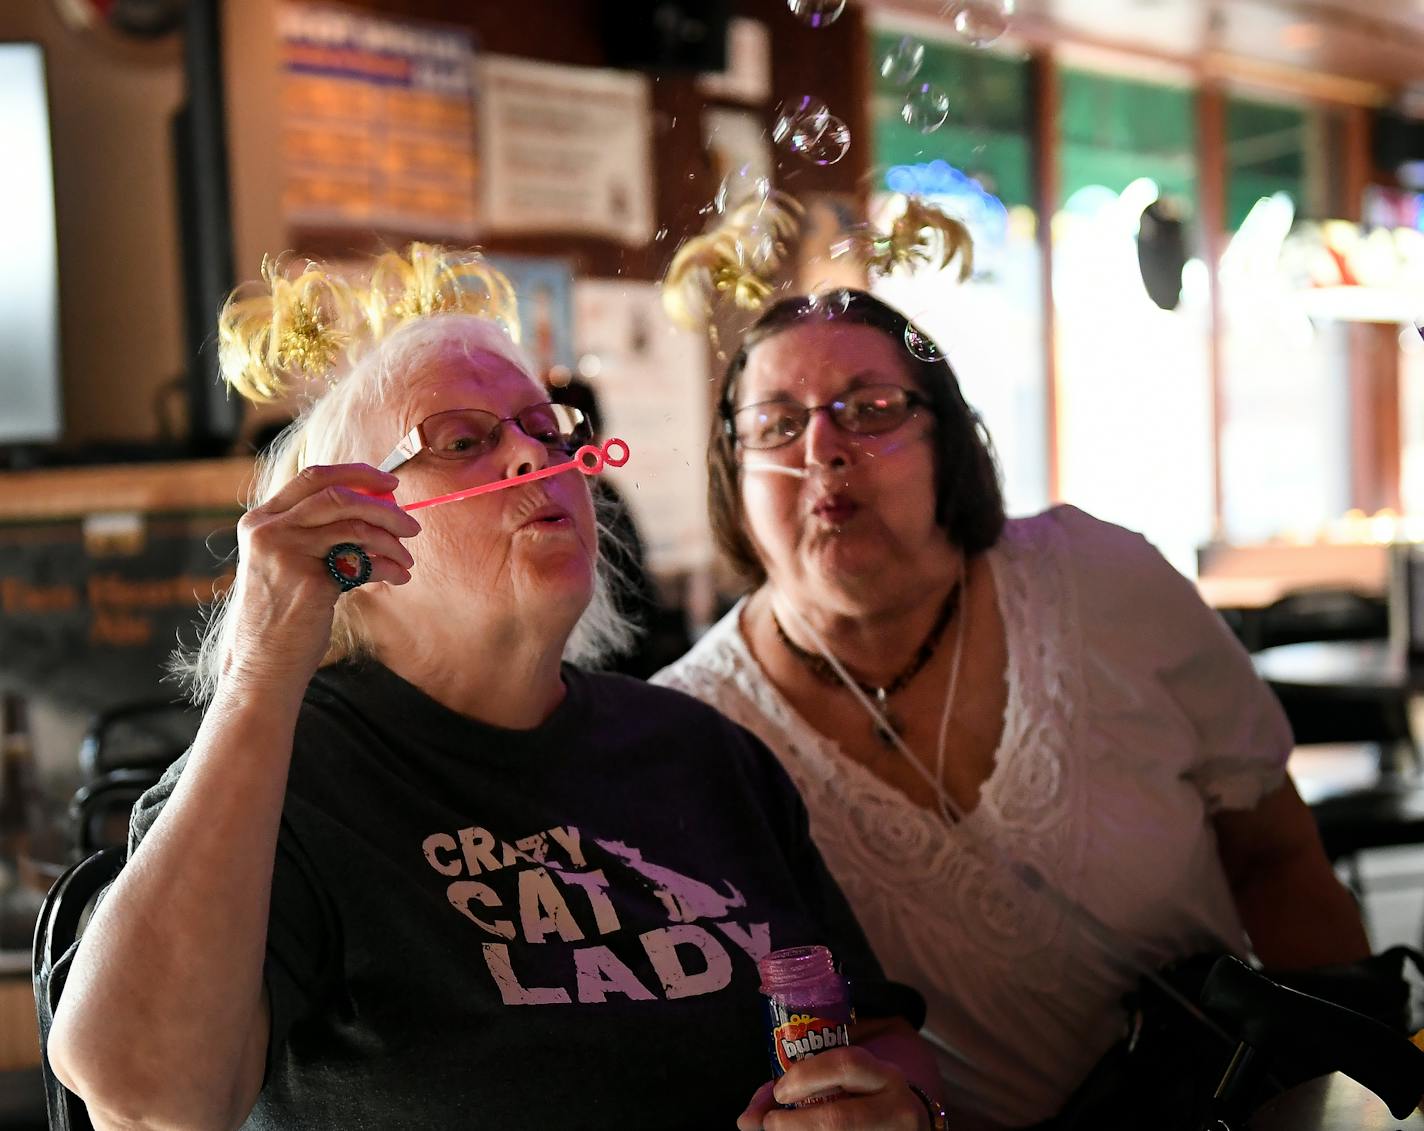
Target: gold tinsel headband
<point x="740" y="257"/>
<point x="276" y="334"/>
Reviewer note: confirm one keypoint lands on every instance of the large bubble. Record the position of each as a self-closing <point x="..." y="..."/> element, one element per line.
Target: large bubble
<point x="742" y="184"/>
<point x="758" y="247"/>
<point x="926" y="107"/>
<point x="816" y="13"/>
<point x="800" y="122"/>
<point x="903" y="61"/>
<point x="831" y="146"/>
<point x="805" y="126"/>
<point x="979" y="22"/>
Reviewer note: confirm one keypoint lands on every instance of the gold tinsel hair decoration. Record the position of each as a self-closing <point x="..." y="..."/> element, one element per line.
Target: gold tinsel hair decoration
<point x="429" y="279"/>
<point x="740" y="257"/>
<point x="920" y="237"/>
<point x="276" y="335"/>
<point x="737" y="260"/>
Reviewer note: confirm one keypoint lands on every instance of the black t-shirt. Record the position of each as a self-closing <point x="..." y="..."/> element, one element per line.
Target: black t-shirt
<point x="558" y="927"/>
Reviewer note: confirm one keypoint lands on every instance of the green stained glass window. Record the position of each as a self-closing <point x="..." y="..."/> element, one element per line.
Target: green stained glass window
<point x="1115" y="130"/>
<point x="1265" y="154"/>
<point x="987" y="131"/>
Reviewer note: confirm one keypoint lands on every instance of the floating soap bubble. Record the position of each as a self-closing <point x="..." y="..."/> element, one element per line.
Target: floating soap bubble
<point x="828" y="304"/>
<point x="980" y="22"/>
<point x="742" y="184"/>
<point x="921" y="345"/>
<point x="806" y="127"/>
<point x="758" y="246"/>
<point x="816" y="13"/>
<point x="903" y="61"/>
<point x="926" y="107"/>
<point x="800" y="122"/>
<point x="858" y="242"/>
<point x="831" y="146"/>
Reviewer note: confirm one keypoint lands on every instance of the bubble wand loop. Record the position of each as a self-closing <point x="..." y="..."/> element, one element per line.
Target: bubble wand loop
<point x="589" y="459"/>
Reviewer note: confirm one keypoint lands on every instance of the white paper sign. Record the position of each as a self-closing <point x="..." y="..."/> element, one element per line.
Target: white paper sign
<point x="566" y="150"/>
<point x="651" y="380"/>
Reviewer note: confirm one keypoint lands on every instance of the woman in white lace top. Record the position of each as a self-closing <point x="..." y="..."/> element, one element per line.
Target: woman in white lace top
<point x="1058" y="685"/>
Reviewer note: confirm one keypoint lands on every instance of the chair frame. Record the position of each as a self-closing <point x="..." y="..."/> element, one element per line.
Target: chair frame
<point x="57" y="934"/>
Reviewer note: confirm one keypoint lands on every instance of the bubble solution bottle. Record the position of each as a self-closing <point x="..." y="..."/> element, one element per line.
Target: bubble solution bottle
<point x="808" y="1008"/>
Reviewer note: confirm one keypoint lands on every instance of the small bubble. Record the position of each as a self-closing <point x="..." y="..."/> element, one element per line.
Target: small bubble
<point x="828" y="304"/>
<point x="758" y="246"/>
<point x="816" y="13"/>
<point x="921" y="345"/>
<point x="979" y="22"/>
<point x="742" y="184"/>
<point x="831" y="146"/>
<point x="800" y="122"/>
<point x="926" y="107"/>
<point x="660" y="235"/>
<point x="903" y="61"/>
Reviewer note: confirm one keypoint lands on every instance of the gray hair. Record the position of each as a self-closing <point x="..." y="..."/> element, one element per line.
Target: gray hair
<point x="326" y="432"/>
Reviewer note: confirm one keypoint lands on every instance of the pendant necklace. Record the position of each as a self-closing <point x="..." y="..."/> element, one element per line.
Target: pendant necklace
<point x="825" y="671"/>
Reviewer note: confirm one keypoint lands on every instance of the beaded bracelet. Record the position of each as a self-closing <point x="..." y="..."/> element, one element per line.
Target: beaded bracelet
<point x="939" y="1118"/>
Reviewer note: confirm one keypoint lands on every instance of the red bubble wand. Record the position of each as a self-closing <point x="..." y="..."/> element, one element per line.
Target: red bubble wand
<point x="589" y="459"/>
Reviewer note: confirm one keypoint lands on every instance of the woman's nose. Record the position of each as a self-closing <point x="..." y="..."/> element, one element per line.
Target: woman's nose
<point x="520" y="453"/>
<point x="827" y="445"/>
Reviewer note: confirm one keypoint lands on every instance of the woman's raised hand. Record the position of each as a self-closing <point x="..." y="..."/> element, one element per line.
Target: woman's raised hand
<point x="285" y="591"/>
<point x="874" y="1097"/>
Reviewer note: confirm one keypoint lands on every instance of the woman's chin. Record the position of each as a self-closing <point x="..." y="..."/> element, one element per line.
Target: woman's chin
<point x="848" y="562"/>
<point x="557" y="566"/>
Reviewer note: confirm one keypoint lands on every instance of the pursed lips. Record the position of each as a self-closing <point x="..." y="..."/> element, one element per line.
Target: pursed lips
<point x="836" y="507"/>
<point x="537" y="509"/>
<point x="549" y="514"/>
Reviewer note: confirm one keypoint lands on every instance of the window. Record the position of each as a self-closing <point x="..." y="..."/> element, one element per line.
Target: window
<point x="1134" y="382"/>
<point x="1285" y="460"/>
<point x="977" y="166"/>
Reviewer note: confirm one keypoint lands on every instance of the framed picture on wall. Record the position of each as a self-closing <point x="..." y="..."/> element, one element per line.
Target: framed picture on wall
<point x="543" y="288"/>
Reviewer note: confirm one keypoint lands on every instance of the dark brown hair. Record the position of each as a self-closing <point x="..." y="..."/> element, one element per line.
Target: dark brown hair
<point x="969" y="501"/>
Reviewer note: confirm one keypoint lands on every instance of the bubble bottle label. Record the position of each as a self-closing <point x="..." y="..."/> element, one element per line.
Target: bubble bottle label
<point x="808" y="1007"/>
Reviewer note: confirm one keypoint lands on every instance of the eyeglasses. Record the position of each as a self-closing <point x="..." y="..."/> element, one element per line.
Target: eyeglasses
<point x="865" y="411"/>
<point x="468" y="433"/>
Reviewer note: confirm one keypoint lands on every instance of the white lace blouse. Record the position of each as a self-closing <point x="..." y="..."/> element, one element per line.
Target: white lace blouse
<point x="1133" y="715"/>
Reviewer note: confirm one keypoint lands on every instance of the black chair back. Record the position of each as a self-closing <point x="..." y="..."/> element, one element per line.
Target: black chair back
<point x="1318" y="614"/>
<point x="99" y="811"/>
<point x="57" y="933"/>
<point x="150" y="733"/>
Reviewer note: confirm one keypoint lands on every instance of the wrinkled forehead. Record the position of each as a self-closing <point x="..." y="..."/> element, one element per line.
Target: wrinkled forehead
<point x="822" y="358"/>
<point x="458" y="373"/>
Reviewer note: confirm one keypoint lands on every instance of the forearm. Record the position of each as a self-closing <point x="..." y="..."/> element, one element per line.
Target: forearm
<point x="1298" y="914"/>
<point x="166" y="985"/>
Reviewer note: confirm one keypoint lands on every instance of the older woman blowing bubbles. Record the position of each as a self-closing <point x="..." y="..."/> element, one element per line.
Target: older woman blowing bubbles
<point x="913" y="658"/>
<point x="417" y="871"/>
